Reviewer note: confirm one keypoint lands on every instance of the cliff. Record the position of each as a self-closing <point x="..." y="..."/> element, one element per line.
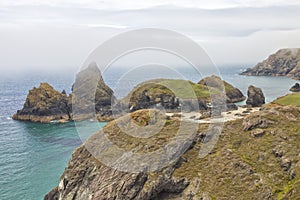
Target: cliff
<point x="44" y="104"/>
<point x="255" y="158"/>
<point x="285" y="62"/>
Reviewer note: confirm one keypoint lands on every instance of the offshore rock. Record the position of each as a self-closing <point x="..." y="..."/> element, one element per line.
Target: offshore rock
<point x="256" y="97"/>
<point x="45" y="104"/>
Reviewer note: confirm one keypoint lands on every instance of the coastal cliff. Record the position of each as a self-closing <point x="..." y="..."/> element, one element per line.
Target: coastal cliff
<point x="285" y="62"/>
<point x="255" y="158"/>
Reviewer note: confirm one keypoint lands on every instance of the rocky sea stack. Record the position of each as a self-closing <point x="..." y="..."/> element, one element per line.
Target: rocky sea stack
<point x="256" y="97"/>
<point x="255" y="158"/>
<point x="44" y="104"/>
<point x="285" y="62"/>
<point x="90" y="98"/>
<point x="90" y="95"/>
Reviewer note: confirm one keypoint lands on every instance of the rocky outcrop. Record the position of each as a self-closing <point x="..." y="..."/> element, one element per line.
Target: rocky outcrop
<point x="233" y="94"/>
<point x="90" y="95"/>
<point x="295" y="88"/>
<point x="256" y="97"/>
<point x="169" y="94"/>
<point x="45" y="104"/>
<point x="255" y="158"/>
<point x="285" y="62"/>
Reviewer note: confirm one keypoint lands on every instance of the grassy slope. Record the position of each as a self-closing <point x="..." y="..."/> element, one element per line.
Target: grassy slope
<point x="244" y="167"/>
<point x="290" y="99"/>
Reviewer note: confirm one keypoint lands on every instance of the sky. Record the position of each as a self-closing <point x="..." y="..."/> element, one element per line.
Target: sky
<point x="61" y="34"/>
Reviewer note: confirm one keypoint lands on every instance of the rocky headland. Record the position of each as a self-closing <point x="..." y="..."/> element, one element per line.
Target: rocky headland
<point x="256" y="157"/>
<point x="285" y="62"/>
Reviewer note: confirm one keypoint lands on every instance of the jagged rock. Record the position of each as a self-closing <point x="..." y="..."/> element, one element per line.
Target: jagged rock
<point x="285" y="62"/>
<point x="233" y="94"/>
<point x="44" y="104"/>
<point x="257" y="132"/>
<point x="295" y="88"/>
<point x="90" y="95"/>
<point x="256" y="120"/>
<point x="256" y="97"/>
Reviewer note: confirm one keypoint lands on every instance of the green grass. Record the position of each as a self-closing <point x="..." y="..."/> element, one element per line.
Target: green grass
<point x="290" y="99"/>
<point x="180" y="88"/>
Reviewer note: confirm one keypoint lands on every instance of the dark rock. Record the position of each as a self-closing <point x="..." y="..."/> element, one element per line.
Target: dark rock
<point x="295" y="88"/>
<point x="285" y="62"/>
<point x="256" y="97"/>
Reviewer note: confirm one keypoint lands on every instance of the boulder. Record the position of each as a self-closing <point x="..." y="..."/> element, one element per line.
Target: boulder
<point x="256" y="97"/>
<point x="45" y="104"/>
<point x="295" y="88"/>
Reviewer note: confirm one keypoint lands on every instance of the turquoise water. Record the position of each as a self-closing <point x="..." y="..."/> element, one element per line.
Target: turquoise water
<point x="33" y="156"/>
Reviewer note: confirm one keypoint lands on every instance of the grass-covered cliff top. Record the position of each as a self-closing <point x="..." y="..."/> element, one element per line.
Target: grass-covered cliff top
<point x="290" y="99"/>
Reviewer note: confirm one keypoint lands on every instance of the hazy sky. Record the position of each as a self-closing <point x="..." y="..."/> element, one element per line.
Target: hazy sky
<point x="55" y="33"/>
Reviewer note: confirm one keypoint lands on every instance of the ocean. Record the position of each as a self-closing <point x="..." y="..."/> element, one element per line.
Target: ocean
<point x="33" y="155"/>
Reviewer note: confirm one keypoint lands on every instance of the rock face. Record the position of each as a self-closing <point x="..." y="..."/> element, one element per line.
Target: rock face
<point x="90" y="94"/>
<point x="255" y="158"/>
<point x="295" y="88"/>
<point x="44" y="104"/>
<point x="256" y="97"/>
<point x="233" y="94"/>
<point x="285" y="62"/>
